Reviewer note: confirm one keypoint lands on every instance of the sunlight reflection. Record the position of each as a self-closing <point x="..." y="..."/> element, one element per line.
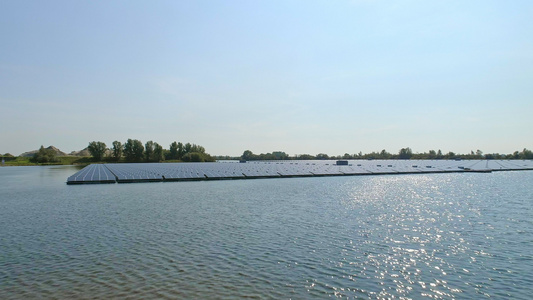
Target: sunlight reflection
<point x="374" y="190"/>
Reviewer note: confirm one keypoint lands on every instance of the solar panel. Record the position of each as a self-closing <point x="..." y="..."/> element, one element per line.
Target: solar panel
<point x="144" y="172"/>
<point x="95" y="173"/>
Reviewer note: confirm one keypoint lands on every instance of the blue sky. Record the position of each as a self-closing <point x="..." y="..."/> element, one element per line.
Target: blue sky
<point x="297" y="76"/>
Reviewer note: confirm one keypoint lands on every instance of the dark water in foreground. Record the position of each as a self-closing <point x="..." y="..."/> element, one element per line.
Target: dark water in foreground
<point x="435" y="235"/>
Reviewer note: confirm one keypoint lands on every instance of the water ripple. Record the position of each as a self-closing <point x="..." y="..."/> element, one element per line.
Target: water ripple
<point x="440" y="236"/>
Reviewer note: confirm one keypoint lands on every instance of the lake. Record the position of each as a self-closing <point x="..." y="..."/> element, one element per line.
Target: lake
<point x="460" y="235"/>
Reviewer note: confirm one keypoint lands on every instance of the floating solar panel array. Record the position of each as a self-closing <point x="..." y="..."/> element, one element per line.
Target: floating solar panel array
<point x="94" y="173"/>
<point x="145" y="172"/>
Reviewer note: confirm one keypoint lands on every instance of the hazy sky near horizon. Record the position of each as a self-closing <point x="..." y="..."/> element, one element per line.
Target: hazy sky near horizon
<point x="311" y="77"/>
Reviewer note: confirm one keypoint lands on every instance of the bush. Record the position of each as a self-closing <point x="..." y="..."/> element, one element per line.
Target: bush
<point x="44" y="156"/>
<point x="197" y="157"/>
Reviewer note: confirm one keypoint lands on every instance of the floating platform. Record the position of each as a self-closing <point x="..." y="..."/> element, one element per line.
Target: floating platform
<point x="149" y="172"/>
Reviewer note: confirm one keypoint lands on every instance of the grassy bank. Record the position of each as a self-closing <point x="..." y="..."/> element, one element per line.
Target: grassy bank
<point x="65" y="160"/>
<point x="62" y="160"/>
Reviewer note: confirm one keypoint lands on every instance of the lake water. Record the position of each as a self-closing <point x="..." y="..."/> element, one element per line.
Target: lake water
<point x="434" y="235"/>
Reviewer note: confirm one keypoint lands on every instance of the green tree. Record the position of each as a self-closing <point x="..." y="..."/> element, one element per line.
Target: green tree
<point x="133" y="150"/>
<point x="450" y="155"/>
<point x="158" y="153"/>
<point x="405" y="153"/>
<point x="128" y="150"/>
<point x="44" y="155"/>
<point x="526" y="154"/>
<point x="97" y="150"/>
<point x="138" y="150"/>
<point x="280" y="155"/>
<point x="173" y="151"/>
<point x="181" y="150"/>
<point x="491" y="156"/>
<point x="117" y="150"/>
<point x="149" y="150"/>
<point x="188" y="148"/>
<point x="247" y="155"/>
<point x="197" y="157"/>
<point x="384" y="154"/>
<point x="322" y="156"/>
<point x="197" y="148"/>
<point x="306" y="157"/>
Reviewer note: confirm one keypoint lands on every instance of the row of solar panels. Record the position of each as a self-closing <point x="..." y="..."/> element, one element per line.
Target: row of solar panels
<point x="111" y="173"/>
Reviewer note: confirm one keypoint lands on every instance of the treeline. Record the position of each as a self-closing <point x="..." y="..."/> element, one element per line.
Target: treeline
<point x="248" y="155"/>
<point x="7" y="157"/>
<point x="404" y="153"/>
<point x="135" y="151"/>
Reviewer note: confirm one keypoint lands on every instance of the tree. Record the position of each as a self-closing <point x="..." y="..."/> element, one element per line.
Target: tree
<point x="188" y="147"/>
<point x="44" y="155"/>
<point x="117" y="150"/>
<point x="526" y="154"/>
<point x="181" y="150"/>
<point x="97" y="150"/>
<point x="490" y="156"/>
<point x="173" y="151"/>
<point x="450" y="155"/>
<point x="158" y="153"/>
<point x="197" y="148"/>
<point x="247" y="155"/>
<point x="280" y="155"/>
<point x="384" y="154"/>
<point x="405" y="153"/>
<point x="149" y="150"/>
<point x="197" y="157"/>
<point x="133" y="150"/>
<point x="306" y="157"/>
<point x="322" y="156"/>
<point x="129" y="153"/>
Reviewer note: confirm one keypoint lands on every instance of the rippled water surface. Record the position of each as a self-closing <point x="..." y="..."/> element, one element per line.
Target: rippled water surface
<point x="435" y="235"/>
